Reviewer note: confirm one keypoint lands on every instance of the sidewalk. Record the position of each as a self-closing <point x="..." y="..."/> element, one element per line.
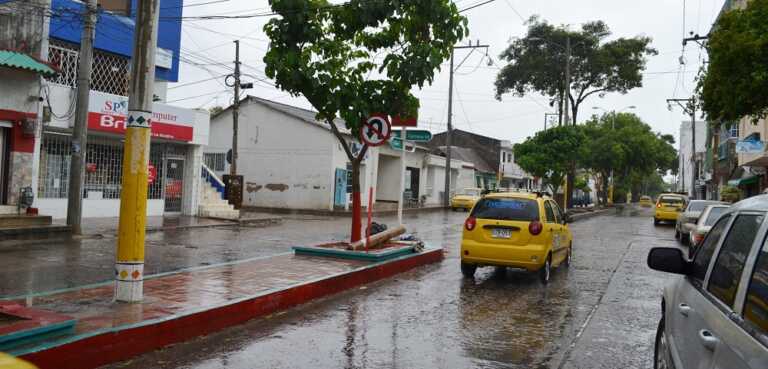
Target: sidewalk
<point x="181" y="305"/>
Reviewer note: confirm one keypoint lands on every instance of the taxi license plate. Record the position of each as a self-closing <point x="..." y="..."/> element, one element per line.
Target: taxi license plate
<point x="501" y="233"/>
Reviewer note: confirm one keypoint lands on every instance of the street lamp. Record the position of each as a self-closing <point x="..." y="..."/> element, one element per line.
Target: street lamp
<point x="613" y="126"/>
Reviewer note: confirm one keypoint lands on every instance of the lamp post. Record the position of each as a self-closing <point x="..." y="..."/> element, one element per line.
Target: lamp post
<point x="613" y="126"/>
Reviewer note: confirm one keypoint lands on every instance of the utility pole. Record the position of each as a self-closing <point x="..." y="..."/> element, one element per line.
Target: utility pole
<point x="235" y="110"/>
<point x="233" y="181"/>
<point x="449" y="131"/>
<point x="80" y="134"/>
<point x="690" y="108"/>
<point x="567" y="79"/>
<point x="129" y="269"/>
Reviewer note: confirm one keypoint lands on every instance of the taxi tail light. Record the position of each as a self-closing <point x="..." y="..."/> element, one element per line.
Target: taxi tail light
<point x="470" y="223"/>
<point x="535" y="228"/>
<point x="657" y="205"/>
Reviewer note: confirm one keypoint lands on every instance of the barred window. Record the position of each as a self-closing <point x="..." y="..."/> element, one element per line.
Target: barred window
<point x="215" y="161"/>
<point x="109" y="74"/>
<point x="103" y="167"/>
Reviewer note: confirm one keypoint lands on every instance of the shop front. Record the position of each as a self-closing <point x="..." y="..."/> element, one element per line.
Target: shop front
<point x="174" y="161"/>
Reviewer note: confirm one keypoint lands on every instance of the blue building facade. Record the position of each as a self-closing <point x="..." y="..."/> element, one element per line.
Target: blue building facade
<point x="114" y="33"/>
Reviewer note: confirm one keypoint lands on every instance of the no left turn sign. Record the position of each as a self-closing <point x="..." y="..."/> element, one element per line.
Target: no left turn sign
<point x="375" y="130"/>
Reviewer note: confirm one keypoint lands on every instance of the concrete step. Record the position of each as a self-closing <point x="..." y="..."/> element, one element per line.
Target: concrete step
<point x="217" y="207"/>
<point x="8" y="209"/>
<point x="15" y="221"/>
<point x="221" y="214"/>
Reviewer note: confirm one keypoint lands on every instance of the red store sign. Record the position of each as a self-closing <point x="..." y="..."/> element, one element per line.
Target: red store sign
<point x="106" y="113"/>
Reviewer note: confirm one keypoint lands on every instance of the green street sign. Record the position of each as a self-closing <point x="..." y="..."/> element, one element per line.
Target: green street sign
<point x="395" y="143"/>
<point x="414" y="135"/>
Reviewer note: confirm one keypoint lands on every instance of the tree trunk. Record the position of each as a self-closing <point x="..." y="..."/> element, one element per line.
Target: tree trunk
<point x="355" y="234"/>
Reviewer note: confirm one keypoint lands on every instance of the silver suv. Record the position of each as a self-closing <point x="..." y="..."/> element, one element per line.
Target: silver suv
<point x="715" y="315"/>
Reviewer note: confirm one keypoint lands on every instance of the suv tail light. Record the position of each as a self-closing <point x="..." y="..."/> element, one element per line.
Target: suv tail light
<point x="470" y="223"/>
<point x="535" y="228"/>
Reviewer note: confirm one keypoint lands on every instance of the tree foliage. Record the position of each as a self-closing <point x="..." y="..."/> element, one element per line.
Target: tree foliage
<point x="625" y="144"/>
<point x="536" y="63"/>
<point x="547" y="154"/>
<point x="361" y="57"/>
<point x="736" y="81"/>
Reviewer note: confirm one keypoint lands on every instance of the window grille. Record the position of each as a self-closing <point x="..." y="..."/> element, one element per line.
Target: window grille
<point x="109" y="74"/>
<point x="103" y="168"/>
<point x="215" y="161"/>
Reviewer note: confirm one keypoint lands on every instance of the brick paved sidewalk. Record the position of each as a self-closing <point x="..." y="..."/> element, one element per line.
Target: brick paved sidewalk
<point x="187" y="303"/>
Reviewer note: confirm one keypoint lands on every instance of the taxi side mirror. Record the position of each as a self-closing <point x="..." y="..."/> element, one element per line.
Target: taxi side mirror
<point x="567" y="218"/>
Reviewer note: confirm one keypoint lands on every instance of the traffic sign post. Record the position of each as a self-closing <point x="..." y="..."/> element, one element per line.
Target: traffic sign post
<point x="376" y="130"/>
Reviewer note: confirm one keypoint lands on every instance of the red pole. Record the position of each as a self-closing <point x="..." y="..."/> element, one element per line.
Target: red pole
<point x="356" y="210"/>
<point x="370" y="211"/>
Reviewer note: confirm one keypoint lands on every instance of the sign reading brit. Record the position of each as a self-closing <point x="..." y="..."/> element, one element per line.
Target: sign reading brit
<point x="107" y="113"/>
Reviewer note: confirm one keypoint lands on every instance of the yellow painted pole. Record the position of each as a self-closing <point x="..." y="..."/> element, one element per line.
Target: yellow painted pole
<point x="129" y="267"/>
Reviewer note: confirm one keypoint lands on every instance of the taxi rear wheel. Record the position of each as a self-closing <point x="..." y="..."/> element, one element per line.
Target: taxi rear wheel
<point x="655" y="221"/>
<point x="468" y="270"/>
<point x="569" y="256"/>
<point x="546" y="271"/>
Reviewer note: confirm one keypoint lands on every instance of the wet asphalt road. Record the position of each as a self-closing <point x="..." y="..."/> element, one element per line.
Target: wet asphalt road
<point x="600" y="313"/>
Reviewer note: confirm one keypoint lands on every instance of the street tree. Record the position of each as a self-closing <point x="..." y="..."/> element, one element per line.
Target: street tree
<point x="736" y="80"/>
<point x="358" y="58"/>
<point x="628" y="147"/>
<point x="536" y="63"/>
<point x="547" y="154"/>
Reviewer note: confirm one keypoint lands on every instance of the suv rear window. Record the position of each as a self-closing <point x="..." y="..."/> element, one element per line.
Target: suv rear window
<point x="507" y="209"/>
<point x="672" y="200"/>
<point x="714" y="214"/>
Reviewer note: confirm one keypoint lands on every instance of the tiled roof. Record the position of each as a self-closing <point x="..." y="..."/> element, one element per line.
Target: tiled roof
<point x="12" y="59"/>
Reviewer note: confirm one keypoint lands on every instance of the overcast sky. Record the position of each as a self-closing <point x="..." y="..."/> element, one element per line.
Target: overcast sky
<point x="208" y="42"/>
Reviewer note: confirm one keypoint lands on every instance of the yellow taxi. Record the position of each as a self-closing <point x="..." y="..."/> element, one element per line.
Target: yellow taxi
<point x="646" y="201"/>
<point x="668" y="206"/>
<point x="466" y="199"/>
<point x="518" y="230"/>
<point x="10" y="362"/>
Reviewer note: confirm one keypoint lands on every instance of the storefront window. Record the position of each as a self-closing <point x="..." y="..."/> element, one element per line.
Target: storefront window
<point x="103" y="167"/>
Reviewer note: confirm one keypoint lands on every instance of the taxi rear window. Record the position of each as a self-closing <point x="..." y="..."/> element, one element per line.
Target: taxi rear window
<point x="672" y="200"/>
<point x="507" y="209"/>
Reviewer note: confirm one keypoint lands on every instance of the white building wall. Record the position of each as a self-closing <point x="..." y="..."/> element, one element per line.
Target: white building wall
<point x="286" y="163"/>
<point x="19" y="90"/>
<point x="686" y="154"/>
<point x="109" y="208"/>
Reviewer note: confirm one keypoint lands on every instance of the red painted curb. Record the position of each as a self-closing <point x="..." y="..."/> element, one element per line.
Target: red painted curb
<point x="111" y="347"/>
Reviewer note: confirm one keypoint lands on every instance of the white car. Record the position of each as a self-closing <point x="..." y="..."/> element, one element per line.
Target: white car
<point x="715" y="313"/>
<point x="708" y="217"/>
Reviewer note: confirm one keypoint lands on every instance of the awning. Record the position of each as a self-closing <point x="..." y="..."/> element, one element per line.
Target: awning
<point x="743" y="176"/>
<point x="12" y="59"/>
<point x="743" y="181"/>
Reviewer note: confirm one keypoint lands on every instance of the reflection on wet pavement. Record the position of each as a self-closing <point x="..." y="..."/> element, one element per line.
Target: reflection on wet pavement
<point x="600" y="312"/>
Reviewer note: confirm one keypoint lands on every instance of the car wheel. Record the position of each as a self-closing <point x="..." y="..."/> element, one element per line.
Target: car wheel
<point x="655" y="221"/>
<point x="677" y="234"/>
<point x="684" y="239"/>
<point x="661" y="357"/>
<point x="691" y="250"/>
<point x="569" y="256"/>
<point x="546" y="271"/>
<point x="468" y="270"/>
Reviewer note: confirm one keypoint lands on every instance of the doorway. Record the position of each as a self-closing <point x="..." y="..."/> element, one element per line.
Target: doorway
<point x="174" y="184"/>
<point x="5" y="161"/>
<point x="412" y="181"/>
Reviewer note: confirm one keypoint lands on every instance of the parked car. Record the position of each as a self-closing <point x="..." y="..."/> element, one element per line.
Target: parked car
<point x="715" y="313"/>
<point x="686" y="221"/>
<point x="668" y="205"/>
<point x="466" y="199"/>
<point x="519" y="230"/>
<point x="646" y="201"/>
<point x="708" y="217"/>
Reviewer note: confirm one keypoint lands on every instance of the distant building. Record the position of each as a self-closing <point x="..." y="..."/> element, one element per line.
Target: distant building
<point x="493" y="159"/>
<point x="691" y="169"/>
